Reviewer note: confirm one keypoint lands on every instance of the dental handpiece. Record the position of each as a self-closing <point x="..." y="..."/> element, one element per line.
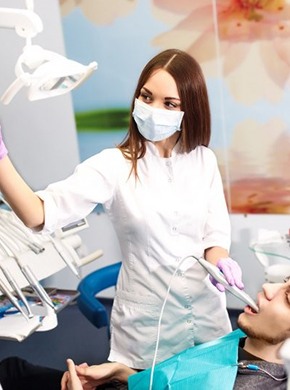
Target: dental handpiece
<point x="37" y="287"/>
<point x="219" y="277"/>
<point x="31" y="278"/>
<point x="69" y="263"/>
<point x="17" y="289"/>
<point x="12" y="299"/>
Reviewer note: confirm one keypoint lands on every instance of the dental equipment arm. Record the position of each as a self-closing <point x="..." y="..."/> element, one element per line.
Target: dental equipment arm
<point x="64" y="257"/>
<point x="17" y="289"/>
<point x="37" y="287"/>
<point x="219" y="277"/>
<point x="12" y="299"/>
<point x="13" y="282"/>
<point x="27" y="272"/>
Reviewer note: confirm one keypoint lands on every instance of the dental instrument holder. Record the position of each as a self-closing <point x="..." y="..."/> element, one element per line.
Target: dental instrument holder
<point x="49" y="320"/>
<point x="219" y="277"/>
<point x="12" y="299"/>
<point x="17" y="290"/>
<point x="26" y="259"/>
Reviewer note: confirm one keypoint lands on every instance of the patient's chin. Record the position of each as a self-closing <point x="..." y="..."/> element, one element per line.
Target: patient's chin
<point x="261" y="335"/>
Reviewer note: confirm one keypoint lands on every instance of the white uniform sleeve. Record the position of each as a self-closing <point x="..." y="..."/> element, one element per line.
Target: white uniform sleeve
<point x="92" y="182"/>
<point x="217" y="229"/>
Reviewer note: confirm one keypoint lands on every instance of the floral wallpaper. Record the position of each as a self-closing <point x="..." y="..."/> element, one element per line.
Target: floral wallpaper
<point x="243" y="47"/>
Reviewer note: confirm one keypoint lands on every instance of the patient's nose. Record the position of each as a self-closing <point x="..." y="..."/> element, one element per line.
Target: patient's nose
<point x="271" y="289"/>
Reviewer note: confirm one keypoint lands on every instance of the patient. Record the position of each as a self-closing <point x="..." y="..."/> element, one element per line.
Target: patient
<point x="265" y="332"/>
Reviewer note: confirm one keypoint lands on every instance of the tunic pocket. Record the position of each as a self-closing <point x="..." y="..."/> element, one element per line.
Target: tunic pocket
<point x="134" y="323"/>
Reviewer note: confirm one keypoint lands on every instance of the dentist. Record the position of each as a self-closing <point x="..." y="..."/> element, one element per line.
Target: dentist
<point x="162" y="190"/>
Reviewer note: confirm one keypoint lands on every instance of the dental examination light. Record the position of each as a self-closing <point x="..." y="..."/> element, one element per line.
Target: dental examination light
<point x="45" y="73"/>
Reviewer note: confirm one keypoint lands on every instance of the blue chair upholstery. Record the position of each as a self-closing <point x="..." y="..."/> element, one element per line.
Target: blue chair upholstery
<point x="90" y="285"/>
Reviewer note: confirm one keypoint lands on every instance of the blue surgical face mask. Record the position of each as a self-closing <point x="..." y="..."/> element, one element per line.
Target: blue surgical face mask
<point x="156" y="124"/>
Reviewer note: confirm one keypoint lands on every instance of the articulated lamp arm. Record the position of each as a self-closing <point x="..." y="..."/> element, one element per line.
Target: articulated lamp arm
<point x="26" y="23"/>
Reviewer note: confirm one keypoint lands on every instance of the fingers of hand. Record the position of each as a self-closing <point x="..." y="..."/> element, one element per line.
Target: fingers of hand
<point x="231" y="271"/>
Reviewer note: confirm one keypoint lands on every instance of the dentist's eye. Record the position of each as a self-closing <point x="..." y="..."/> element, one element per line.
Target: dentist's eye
<point x="172" y="105"/>
<point x="145" y="96"/>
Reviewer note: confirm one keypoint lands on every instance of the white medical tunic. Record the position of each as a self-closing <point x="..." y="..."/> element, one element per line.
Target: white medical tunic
<point x="175" y="209"/>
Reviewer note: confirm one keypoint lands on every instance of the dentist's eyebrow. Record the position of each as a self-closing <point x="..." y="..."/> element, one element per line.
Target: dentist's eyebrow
<point x="166" y="98"/>
<point x="146" y="90"/>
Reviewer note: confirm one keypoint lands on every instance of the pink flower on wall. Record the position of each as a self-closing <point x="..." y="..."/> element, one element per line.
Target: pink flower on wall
<point x="252" y="37"/>
<point x="100" y="12"/>
<point x="259" y="176"/>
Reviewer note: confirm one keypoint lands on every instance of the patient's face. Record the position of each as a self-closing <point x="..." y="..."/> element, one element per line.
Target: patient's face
<point x="272" y="323"/>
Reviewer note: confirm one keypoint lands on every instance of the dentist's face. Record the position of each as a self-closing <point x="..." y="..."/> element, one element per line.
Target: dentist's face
<point x="272" y="323"/>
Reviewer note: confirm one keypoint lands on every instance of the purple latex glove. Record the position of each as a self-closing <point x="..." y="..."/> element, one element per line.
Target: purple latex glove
<point x="232" y="272"/>
<point x="3" y="150"/>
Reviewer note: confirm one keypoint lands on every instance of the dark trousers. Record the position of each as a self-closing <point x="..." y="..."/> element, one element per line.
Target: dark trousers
<point x="18" y="374"/>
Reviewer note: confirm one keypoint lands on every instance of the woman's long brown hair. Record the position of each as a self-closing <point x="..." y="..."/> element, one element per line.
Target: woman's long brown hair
<point x="191" y="86"/>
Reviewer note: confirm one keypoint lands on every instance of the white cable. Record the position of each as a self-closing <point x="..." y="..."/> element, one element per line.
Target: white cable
<point x="3" y="251"/>
<point x="10" y="240"/>
<point x="15" y="223"/>
<point x="4" y="248"/>
<point x="160" y="318"/>
<point x="20" y="237"/>
<point x="15" y="241"/>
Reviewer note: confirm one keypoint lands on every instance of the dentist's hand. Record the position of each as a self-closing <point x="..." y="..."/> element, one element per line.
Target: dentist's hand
<point x="232" y="272"/>
<point x="3" y="150"/>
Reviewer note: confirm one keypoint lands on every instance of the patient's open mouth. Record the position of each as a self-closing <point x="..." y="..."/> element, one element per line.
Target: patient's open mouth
<point x="248" y="309"/>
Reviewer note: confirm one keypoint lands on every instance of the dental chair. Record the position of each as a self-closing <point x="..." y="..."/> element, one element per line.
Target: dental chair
<point x="89" y="304"/>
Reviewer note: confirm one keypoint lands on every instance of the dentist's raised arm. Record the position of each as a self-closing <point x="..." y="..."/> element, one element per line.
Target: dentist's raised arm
<point x="25" y="203"/>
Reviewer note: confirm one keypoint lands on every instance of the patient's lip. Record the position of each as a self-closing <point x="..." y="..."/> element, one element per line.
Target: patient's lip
<point x="249" y="310"/>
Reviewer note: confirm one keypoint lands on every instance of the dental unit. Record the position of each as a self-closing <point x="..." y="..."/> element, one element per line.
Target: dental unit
<point x="26" y="271"/>
<point x="26" y="258"/>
